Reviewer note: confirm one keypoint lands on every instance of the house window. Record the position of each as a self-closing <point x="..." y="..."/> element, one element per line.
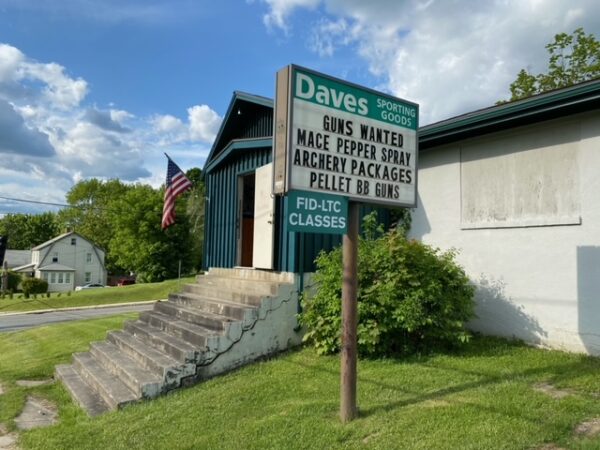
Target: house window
<point x="73" y="241"/>
<point x="88" y="257"/>
<point x="60" y="277"/>
<point x="68" y="278"/>
<point x="52" y="277"/>
<point x="45" y="276"/>
<point x="55" y="257"/>
<point x="88" y="277"/>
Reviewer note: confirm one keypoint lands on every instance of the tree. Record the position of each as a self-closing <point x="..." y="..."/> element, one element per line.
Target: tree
<point x="138" y="242"/>
<point x="195" y="212"/>
<point x="574" y="58"/>
<point x="25" y="231"/>
<point x="92" y="211"/>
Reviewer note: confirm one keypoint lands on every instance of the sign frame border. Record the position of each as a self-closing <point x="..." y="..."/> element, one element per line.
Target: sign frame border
<point x="288" y="73"/>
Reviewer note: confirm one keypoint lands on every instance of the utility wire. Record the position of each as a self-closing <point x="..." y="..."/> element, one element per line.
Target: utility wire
<point x="34" y="201"/>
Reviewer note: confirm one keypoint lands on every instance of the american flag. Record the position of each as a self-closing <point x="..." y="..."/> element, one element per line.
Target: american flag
<point x="177" y="183"/>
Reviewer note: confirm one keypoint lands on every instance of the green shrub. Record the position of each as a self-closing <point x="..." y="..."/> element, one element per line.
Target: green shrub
<point x="14" y="279"/>
<point x="33" y="286"/>
<point x="411" y="297"/>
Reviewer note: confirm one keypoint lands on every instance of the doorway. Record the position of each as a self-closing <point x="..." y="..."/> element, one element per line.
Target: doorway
<point x="246" y="185"/>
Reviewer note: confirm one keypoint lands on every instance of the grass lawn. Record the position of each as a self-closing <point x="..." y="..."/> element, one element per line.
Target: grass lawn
<point x="87" y="297"/>
<point x="480" y="398"/>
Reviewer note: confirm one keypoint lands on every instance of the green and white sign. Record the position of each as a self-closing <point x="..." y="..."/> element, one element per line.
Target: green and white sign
<point x="344" y="139"/>
<point x="313" y="212"/>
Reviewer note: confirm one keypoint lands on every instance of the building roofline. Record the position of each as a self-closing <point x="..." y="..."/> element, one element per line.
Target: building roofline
<point x="570" y="100"/>
<point x="53" y="240"/>
<point x="237" y="96"/>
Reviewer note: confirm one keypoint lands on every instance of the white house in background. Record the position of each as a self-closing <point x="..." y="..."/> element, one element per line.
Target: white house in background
<point x="515" y="188"/>
<point x="66" y="261"/>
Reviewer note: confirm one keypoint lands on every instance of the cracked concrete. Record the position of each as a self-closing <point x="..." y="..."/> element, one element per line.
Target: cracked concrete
<point x="9" y="442"/>
<point x="551" y="391"/>
<point x="37" y="413"/>
<point x="34" y="383"/>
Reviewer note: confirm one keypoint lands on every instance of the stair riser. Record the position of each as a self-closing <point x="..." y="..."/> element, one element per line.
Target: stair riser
<point x="171" y="374"/>
<point x="193" y="338"/>
<point x="90" y="379"/>
<point x="252" y="274"/>
<point x="82" y="393"/>
<point x="144" y="360"/>
<point x="145" y="390"/>
<point x="181" y="355"/>
<point x="242" y="286"/>
<point x="192" y="317"/>
<point x="213" y="307"/>
<point x="224" y="294"/>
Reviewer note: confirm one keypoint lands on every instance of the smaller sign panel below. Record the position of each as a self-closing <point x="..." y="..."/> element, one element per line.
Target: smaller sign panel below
<point x="314" y="212"/>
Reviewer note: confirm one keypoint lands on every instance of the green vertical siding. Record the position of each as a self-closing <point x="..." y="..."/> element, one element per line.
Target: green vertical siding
<point x="221" y="216"/>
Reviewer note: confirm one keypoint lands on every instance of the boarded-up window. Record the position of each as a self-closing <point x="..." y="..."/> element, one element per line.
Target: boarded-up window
<point x="527" y="178"/>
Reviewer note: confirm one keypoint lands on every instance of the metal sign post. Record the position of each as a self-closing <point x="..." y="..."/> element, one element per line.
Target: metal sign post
<point x="348" y="370"/>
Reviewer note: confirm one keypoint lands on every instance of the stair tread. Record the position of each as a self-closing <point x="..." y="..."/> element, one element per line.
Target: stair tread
<point x="191" y="327"/>
<point x="161" y="335"/>
<point x="84" y="394"/>
<point x="127" y="364"/>
<point x="199" y="312"/>
<point x="109" y="383"/>
<point x="160" y="358"/>
<point x="215" y="299"/>
<point x="237" y="296"/>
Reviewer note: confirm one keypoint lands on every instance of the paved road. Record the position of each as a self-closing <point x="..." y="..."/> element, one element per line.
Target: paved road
<point x="15" y="322"/>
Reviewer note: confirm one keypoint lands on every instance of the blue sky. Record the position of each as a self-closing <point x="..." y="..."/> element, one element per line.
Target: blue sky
<point x="102" y="88"/>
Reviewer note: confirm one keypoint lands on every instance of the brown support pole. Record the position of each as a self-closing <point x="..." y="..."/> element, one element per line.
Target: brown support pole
<point x="348" y="409"/>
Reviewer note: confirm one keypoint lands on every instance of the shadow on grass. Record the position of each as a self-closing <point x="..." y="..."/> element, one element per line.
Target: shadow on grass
<point x="495" y="376"/>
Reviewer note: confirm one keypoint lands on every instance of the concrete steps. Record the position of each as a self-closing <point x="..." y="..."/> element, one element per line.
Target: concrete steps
<point x="228" y="318"/>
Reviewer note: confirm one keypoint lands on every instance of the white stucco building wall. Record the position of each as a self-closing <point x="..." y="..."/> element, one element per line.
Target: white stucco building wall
<point x="522" y="207"/>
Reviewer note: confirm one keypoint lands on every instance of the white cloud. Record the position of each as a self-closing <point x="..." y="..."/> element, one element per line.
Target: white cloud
<point x="280" y="10"/>
<point x="61" y="91"/>
<point x="328" y="35"/>
<point x="204" y="123"/>
<point x="16" y="137"/>
<point x="10" y="60"/>
<point x="19" y="76"/>
<point x="168" y="124"/>
<point x="450" y="57"/>
<point x="50" y="139"/>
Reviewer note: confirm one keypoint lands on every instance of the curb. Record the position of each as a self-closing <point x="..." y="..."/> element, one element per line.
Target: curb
<point x="76" y="308"/>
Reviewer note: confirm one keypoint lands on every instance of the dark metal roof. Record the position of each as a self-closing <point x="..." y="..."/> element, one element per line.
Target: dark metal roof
<point x="245" y="118"/>
<point x="549" y="105"/>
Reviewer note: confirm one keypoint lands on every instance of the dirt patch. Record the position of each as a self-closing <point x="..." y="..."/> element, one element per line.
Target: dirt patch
<point x="589" y="428"/>
<point x="1" y="389"/>
<point x="551" y="391"/>
<point x="33" y="383"/>
<point x="3" y="429"/>
<point x="366" y="439"/>
<point x="37" y="413"/>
